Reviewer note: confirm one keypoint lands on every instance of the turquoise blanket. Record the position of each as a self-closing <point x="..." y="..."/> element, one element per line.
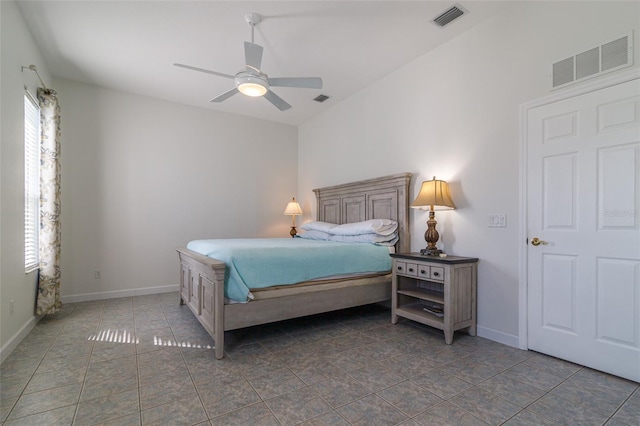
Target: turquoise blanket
<point x="265" y="262"/>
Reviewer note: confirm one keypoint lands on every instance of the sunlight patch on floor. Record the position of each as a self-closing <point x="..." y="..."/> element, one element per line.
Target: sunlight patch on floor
<point x="125" y="336"/>
<point x="158" y="341"/>
<point x="114" y="336"/>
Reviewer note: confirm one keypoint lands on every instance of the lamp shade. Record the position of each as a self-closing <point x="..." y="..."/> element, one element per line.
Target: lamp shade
<point x="434" y="195"/>
<point x="293" y="208"/>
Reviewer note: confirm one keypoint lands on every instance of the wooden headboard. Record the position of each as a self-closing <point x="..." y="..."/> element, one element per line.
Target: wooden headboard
<point x="379" y="198"/>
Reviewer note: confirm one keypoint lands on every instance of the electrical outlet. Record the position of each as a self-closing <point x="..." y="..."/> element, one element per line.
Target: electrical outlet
<point x="11" y="307"/>
<point x="97" y="274"/>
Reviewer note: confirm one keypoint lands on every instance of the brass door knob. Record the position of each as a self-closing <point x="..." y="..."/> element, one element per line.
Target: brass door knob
<point x="536" y="242"/>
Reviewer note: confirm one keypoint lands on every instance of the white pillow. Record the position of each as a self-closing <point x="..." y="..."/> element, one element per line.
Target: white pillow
<point x="318" y="226"/>
<point x="383" y="240"/>
<point x="313" y="234"/>
<point x="373" y="226"/>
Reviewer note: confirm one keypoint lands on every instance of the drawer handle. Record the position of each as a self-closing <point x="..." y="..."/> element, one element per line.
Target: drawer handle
<point x="410" y="269"/>
<point x="422" y="271"/>
<point x="399" y="268"/>
<point x="436" y="274"/>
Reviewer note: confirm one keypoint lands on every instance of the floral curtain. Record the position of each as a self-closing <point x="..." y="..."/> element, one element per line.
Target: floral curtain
<point x="48" y="299"/>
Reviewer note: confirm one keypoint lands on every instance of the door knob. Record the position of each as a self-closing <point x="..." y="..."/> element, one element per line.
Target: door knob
<point x="536" y="242"/>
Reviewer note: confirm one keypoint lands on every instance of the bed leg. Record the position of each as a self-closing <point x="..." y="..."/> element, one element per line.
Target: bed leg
<point x="219" y="346"/>
<point x="218" y="316"/>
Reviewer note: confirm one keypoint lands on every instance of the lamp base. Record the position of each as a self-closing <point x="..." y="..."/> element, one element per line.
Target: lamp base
<point x="431" y="252"/>
<point x="431" y="237"/>
<point x="293" y="232"/>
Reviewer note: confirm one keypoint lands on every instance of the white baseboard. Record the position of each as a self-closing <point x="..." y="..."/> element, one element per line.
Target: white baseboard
<point x="498" y="336"/>
<point x="15" y="340"/>
<point x="86" y="297"/>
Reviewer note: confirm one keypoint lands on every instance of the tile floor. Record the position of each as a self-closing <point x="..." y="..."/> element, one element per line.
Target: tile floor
<point x="146" y="361"/>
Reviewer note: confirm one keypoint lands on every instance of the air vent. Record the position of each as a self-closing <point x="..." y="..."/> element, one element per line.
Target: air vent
<point x="611" y="56"/>
<point x="616" y="53"/>
<point x="563" y="72"/>
<point x="321" y="98"/>
<point x="587" y="63"/>
<point x="448" y="16"/>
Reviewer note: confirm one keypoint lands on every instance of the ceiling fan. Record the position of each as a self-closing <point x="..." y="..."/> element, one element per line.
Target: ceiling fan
<point x="251" y="81"/>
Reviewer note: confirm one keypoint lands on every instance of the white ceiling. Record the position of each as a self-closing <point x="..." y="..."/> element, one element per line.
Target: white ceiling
<point x="131" y="45"/>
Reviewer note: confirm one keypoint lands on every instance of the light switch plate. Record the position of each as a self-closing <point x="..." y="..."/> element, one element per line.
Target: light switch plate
<point x="498" y="220"/>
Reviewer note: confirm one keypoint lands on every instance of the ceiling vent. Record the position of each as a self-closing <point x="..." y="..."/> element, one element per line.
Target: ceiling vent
<point x="448" y="16"/>
<point x="321" y="98"/>
<point x="607" y="57"/>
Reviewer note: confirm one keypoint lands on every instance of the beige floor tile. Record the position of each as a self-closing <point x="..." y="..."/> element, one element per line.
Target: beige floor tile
<point x="371" y="410"/>
<point x="38" y="402"/>
<point x="186" y="411"/>
<point x="108" y="407"/>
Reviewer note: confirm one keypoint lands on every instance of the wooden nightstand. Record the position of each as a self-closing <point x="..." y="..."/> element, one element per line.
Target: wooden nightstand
<point x="438" y="292"/>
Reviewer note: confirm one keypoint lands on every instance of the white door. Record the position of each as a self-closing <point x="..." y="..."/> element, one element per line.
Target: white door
<point x="583" y="205"/>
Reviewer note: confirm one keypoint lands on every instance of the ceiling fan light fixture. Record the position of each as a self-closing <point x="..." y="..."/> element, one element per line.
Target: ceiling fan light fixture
<point x="251" y="85"/>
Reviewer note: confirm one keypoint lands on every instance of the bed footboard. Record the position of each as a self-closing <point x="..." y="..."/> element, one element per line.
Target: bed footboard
<point x="202" y="290"/>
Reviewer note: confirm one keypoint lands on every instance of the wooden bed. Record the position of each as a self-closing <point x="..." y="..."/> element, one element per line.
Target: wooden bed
<point x="202" y="278"/>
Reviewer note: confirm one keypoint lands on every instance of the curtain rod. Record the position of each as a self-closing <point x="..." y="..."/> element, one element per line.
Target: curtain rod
<point x="34" y="69"/>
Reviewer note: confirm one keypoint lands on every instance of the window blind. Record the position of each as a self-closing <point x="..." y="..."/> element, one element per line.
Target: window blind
<point x="31" y="182"/>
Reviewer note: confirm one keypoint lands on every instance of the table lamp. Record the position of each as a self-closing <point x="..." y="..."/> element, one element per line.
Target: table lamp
<point x="433" y="195"/>
<point x="293" y="209"/>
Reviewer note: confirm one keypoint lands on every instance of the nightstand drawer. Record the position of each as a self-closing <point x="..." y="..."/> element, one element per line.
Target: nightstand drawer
<point x="424" y="271"/>
<point x="437" y="273"/>
<point x="412" y="269"/>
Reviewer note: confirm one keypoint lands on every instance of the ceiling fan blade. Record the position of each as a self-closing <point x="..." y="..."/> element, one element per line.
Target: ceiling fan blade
<point x="303" y="82"/>
<point x="225" y="95"/>
<point x="220" y="74"/>
<point x="252" y="56"/>
<point x="277" y="101"/>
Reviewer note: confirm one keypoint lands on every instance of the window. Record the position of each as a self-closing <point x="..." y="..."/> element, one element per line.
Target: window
<point x="31" y="182"/>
